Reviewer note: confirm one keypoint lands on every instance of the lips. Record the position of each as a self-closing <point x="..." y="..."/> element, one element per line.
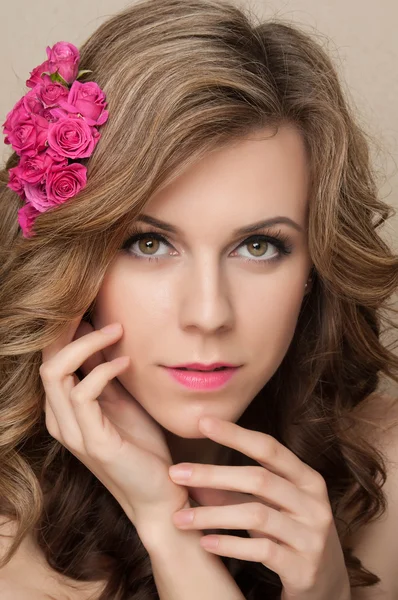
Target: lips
<point x="209" y="379"/>
<point x="202" y="370"/>
<point x="215" y="366"/>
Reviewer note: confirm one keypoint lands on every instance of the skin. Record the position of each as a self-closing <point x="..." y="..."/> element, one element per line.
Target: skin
<point x="202" y="302"/>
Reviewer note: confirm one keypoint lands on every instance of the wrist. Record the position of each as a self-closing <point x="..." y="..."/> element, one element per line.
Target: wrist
<point x="155" y="525"/>
<point x="163" y="537"/>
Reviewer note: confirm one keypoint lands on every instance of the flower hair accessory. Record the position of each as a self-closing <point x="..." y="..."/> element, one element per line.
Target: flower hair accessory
<point x="51" y="128"/>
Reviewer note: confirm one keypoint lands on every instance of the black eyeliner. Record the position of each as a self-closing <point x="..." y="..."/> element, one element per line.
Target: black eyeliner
<point x="276" y="238"/>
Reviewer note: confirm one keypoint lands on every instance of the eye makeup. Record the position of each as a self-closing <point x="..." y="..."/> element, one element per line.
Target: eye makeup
<point x="279" y="240"/>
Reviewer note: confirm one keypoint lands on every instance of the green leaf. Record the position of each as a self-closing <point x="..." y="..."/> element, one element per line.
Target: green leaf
<point x="80" y="73"/>
<point x="56" y="77"/>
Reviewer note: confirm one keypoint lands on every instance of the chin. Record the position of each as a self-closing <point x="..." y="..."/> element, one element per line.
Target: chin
<point x="184" y="426"/>
<point x="189" y="433"/>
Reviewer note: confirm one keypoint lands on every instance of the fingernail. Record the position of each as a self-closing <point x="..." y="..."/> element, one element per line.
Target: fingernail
<point x="209" y="424"/>
<point x="180" y="472"/>
<point x="209" y="541"/>
<point x="120" y="361"/>
<point x="114" y="328"/>
<point x="183" y="517"/>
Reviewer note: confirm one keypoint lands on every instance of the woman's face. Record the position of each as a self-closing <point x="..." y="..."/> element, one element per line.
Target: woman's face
<point x="203" y="300"/>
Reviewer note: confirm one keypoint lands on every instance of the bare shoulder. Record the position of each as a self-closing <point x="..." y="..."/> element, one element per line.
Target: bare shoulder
<point x="9" y="589"/>
<point x="39" y="581"/>
<point x="376" y="544"/>
<point x="11" y="585"/>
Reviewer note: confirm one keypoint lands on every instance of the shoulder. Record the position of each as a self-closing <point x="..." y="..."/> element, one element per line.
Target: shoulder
<point x="376" y="544"/>
<point x="9" y="591"/>
<point x="40" y="581"/>
<point x="7" y="531"/>
<point x="12" y="587"/>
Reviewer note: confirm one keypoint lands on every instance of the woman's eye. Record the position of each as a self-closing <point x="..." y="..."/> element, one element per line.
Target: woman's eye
<point x="258" y="249"/>
<point x="145" y="241"/>
<point x="147" y="244"/>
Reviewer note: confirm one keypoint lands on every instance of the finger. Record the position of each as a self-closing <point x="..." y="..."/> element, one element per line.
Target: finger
<point x="70" y="357"/>
<point x="97" y="431"/>
<point x="58" y="403"/>
<point x="51" y="421"/>
<point x="59" y="379"/>
<point x="66" y="336"/>
<point x="250" y="516"/>
<point x="112" y="394"/>
<point x="97" y="358"/>
<point x="277" y="557"/>
<point x="267" y="451"/>
<point x="211" y="497"/>
<point x="250" y="479"/>
<point x="64" y="413"/>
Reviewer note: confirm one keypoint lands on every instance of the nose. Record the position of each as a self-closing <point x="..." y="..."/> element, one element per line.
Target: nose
<point x="205" y="301"/>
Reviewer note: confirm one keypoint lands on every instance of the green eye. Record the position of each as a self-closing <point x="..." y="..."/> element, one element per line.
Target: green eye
<point x="279" y="241"/>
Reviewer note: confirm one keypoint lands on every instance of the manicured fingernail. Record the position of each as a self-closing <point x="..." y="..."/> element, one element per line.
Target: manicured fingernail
<point x="183" y="517"/>
<point x="120" y="361"/>
<point x="209" y="541"/>
<point x="114" y="328"/>
<point x="209" y="424"/>
<point x="180" y="472"/>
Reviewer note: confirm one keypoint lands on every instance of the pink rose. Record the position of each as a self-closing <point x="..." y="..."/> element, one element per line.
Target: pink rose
<point x="29" y="136"/>
<point x="35" y="75"/>
<point x="57" y="158"/>
<point x="65" y="182"/>
<point x="36" y="195"/>
<point x="32" y="103"/>
<point x="48" y="115"/>
<point x="15" y="183"/>
<point x="72" y="137"/>
<point x="23" y="137"/>
<point x="26" y="217"/>
<point x="22" y="112"/>
<point x="64" y="58"/>
<point x="50" y="92"/>
<point x="87" y="99"/>
<point x="33" y="169"/>
<point x="15" y="116"/>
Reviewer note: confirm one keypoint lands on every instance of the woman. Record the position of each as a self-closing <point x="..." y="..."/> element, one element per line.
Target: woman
<point x="228" y="214"/>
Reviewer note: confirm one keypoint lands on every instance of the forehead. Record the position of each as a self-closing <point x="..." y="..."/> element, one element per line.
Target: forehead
<point x="261" y="175"/>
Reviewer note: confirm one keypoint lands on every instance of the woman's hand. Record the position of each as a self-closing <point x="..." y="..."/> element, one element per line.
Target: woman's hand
<point x="289" y="514"/>
<point x="99" y="422"/>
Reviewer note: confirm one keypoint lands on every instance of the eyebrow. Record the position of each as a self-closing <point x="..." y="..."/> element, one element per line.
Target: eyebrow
<point x="240" y="231"/>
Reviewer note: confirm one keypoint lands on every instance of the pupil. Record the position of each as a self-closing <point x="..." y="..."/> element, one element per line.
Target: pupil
<point x="257" y="246"/>
<point x="147" y="244"/>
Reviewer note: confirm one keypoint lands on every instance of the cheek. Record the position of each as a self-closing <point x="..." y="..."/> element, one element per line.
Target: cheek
<point x="271" y="318"/>
<point x="135" y="305"/>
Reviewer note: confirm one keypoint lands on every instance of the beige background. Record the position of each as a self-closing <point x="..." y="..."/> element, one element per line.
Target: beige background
<point x="361" y="36"/>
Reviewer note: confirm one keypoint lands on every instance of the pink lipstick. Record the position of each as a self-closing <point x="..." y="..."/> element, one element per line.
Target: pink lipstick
<point x="202" y="379"/>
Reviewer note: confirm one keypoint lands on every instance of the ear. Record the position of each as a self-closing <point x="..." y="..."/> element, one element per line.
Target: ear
<point x="308" y="288"/>
<point x="310" y="282"/>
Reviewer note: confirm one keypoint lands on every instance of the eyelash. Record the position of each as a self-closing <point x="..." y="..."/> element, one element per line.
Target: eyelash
<point x="277" y="239"/>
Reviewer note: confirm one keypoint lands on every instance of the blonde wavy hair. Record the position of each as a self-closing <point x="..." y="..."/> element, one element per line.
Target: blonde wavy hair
<point x="183" y="78"/>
